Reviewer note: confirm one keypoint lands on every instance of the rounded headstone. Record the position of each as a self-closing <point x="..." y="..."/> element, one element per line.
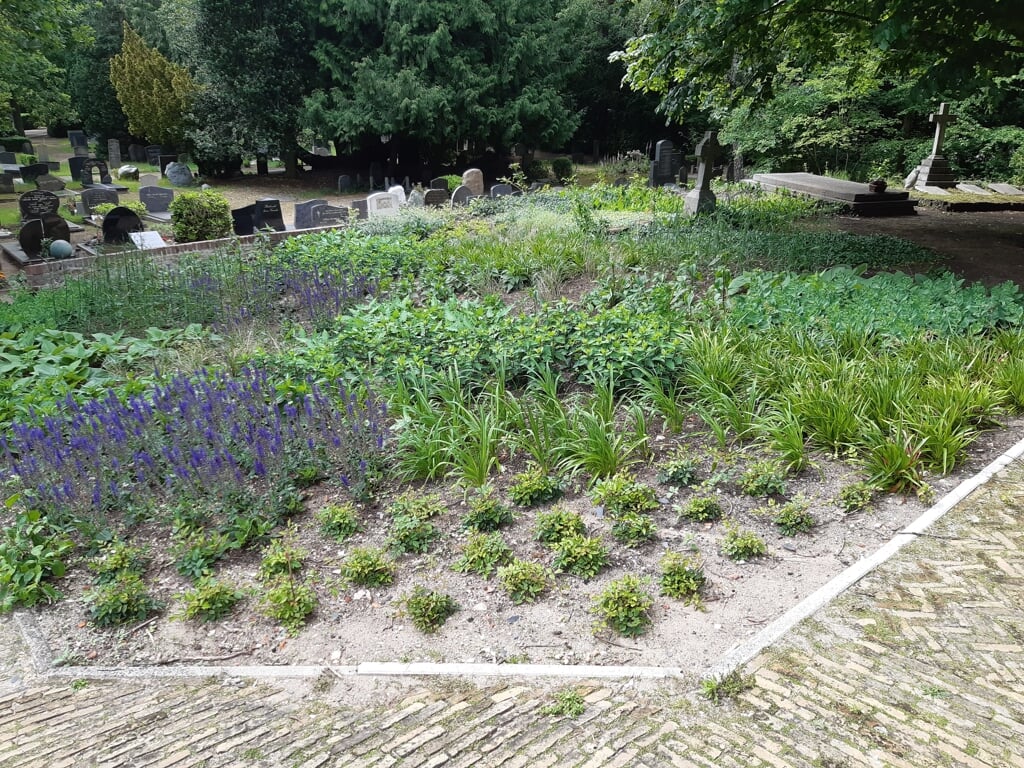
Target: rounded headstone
<point x="119" y="223"/>
<point x="61" y="249"/>
<point x="178" y="174"/>
<point x="474" y="179"/>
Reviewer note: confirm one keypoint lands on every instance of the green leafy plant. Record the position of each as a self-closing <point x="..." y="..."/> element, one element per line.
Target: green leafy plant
<point x="428" y="610"/>
<point x="368" y="567"/>
<point x="209" y="600"/>
<point x="417" y="505"/>
<point x="624" y="606"/>
<point x="196" y="551"/>
<point x="556" y="524"/>
<point x="31" y="554"/>
<point x="486" y="512"/>
<point x="412" y="534"/>
<point x="855" y="496"/>
<point x="122" y="600"/>
<point x="135" y="206"/>
<point x="582" y="556"/>
<point x="116" y="558"/>
<point x="763" y="478"/>
<point x="680" y="471"/>
<point x="682" y="577"/>
<point x="204" y="215"/>
<point x="562" y="168"/>
<point x="793" y="517"/>
<point x="339" y="521"/>
<point x="740" y="544"/>
<point x="525" y="581"/>
<point x="281" y="557"/>
<point x="634" y="529"/>
<point x="289" y="602"/>
<point x="534" y="487"/>
<point x="483" y="553"/>
<point x="621" y="494"/>
<point x="701" y="509"/>
<point x="719" y="689"/>
<point x="567" y="703"/>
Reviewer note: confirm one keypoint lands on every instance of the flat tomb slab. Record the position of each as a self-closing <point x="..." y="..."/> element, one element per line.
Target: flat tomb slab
<point x="973" y="189"/>
<point x="827" y="188"/>
<point x="1006" y="189"/>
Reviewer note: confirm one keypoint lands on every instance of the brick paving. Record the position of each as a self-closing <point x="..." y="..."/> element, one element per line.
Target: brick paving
<point x="920" y="664"/>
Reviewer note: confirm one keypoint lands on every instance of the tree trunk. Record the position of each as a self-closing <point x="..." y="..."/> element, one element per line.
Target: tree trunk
<point x="291" y="164"/>
<point x="16" y="119"/>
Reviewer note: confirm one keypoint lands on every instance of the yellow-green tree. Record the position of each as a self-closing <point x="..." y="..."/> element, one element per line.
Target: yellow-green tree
<point x="153" y="91"/>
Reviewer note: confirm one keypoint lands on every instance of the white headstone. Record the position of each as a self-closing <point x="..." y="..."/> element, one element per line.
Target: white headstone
<point x="399" y="192"/>
<point x="381" y="204"/>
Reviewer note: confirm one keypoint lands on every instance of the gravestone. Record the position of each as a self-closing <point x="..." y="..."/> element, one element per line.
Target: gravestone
<point x="37" y="203"/>
<point x="43" y="155"/>
<point x="857" y="196"/>
<point x="166" y="160"/>
<point x="436" y="198"/>
<point x="93" y="168"/>
<point x="304" y="213"/>
<point x="701" y="199"/>
<point x="30" y="238"/>
<point x="93" y="196"/>
<point x="78" y="139"/>
<point x="328" y="215"/>
<point x="75" y="166"/>
<point x="50" y="183"/>
<point x="179" y="174"/>
<point x="502" y="190"/>
<point x="153" y="152"/>
<point x="119" y="224"/>
<point x="268" y="215"/>
<point x="1006" y="189"/>
<point x="149" y="180"/>
<point x="81" y="152"/>
<point x="362" y="212"/>
<point x="973" y="189"/>
<point x="665" y="167"/>
<point x="376" y="175"/>
<point x="440" y="183"/>
<point x="243" y="220"/>
<point x="156" y="199"/>
<point x="34" y="171"/>
<point x="935" y="170"/>
<point x="344" y="184"/>
<point x="128" y="172"/>
<point x="381" y="204"/>
<point x="462" y="195"/>
<point x="474" y="179"/>
<point x="6" y="183"/>
<point x="415" y="199"/>
<point x="147" y="241"/>
<point x="399" y="192"/>
<point x="136" y="153"/>
<point x="113" y="152"/>
<point x="55" y="228"/>
<point x="8" y="158"/>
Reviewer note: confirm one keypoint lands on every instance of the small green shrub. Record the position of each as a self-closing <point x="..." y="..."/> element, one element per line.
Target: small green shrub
<point x="525" y="581"/>
<point x="209" y="600"/>
<point x="116" y="558"/>
<point x="794" y="517"/>
<point x="680" y="471"/>
<point x="556" y="524"/>
<point x="487" y="513"/>
<point x="582" y="556"/>
<point x="122" y="600"/>
<point x="701" y="509"/>
<point x="562" y="168"/>
<point x="281" y="558"/>
<point x="763" y="478"/>
<point x="368" y="567"/>
<point x="534" y="487"/>
<point x="634" y="529"/>
<point x="741" y="544"/>
<point x="682" y="577"/>
<point x="567" y="703"/>
<point x="624" y="606"/>
<point x="289" y="602"/>
<point x="428" y="610"/>
<point x="621" y="494"/>
<point x="339" y="521"/>
<point x="204" y="215"/>
<point x="31" y="553"/>
<point x="483" y="553"/>
<point x="855" y="496"/>
<point x="719" y="689"/>
<point x="412" y="534"/>
<point x="421" y="506"/>
<point x="286" y="500"/>
<point x="196" y="551"/>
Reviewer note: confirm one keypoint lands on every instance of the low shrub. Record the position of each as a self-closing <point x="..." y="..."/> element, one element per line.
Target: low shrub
<point x="855" y="496"/>
<point x="487" y="513"/>
<point x="624" y="606"/>
<point x="582" y="556"/>
<point x="793" y="517"/>
<point x="204" y="215"/>
<point x="31" y="554"/>
<point x="534" y="487"/>
<point x="525" y="581"/>
<point x="368" y="567"/>
<point x="763" y="478"/>
<point x="682" y="577"/>
<point x="741" y="544"/>
<point x="281" y="558"/>
<point x="116" y="558"/>
<point x="561" y="167"/>
<point x="428" y="610"/>
<point x="701" y="509"/>
<point x="122" y="600"/>
<point x="339" y="521"/>
<point x="289" y="602"/>
<point x="417" y="505"/>
<point x="209" y="600"/>
<point x="567" y="703"/>
<point x="680" y="471"/>
<point x="634" y="529"/>
<point x="556" y="524"/>
<point x="412" y="534"/>
<point x="483" y="553"/>
<point x="621" y="495"/>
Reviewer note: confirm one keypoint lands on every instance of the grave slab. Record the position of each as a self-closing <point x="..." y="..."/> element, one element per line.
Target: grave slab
<point x="1005" y="189"/>
<point x="927" y="188"/>
<point x="855" y="195"/>
<point x="973" y="189"/>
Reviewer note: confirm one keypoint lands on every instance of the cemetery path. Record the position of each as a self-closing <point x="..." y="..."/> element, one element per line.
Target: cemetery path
<point x="916" y="664"/>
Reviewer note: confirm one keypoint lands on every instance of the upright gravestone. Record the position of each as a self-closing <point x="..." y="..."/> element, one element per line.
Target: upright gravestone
<point x="153" y="152"/>
<point x="113" y="152"/>
<point x="157" y="201"/>
<point x="934" y="170"/>
<point x="94" y="196"/>
<point x="502" y="190"/>
<point x="30" y="238"/>
<point x="665" y="167"/>
<point x="75" y="166"/>
<point x="94" y="172"/>
<point x="381" y="204"/>
<point x="360" y="208"/>
<point x="33" y="171"/>
<point x="462" y="195"/>
<point x="78" y="139"/>
<point x="436" y="198"/>
<point x="474" y="179"/>
<point x="440" y="183"/>
<point x="701" y="199"/>
<point x="119" y="224"/>
<point x="243" y="221"/>
<point x="55" y="228"/>
<point x="136" y="153"/>
<point x="328" y="215"/>
<point x="149" y="180"/>
<point x="304" y="213"/>
<point x="37" y="203"/>
<point x="268" y="215"/>
<point x="344" y="184"/>
<point x="6" y="183"/>
<point x="399" y="192"/>
<point x="165" y="160"/>
<point x="376" y="176"/>
<point x="416" y="199"/>
<point x="179" y="174"/>
<point x="8" y="158"/>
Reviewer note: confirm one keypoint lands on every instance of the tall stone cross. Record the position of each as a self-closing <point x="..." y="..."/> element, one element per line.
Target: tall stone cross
<point x="941" y="119"/>
<point x="701" y="199"/>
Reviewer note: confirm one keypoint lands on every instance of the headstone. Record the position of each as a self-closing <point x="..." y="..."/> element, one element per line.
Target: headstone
<point x="973" y="189"/>
<point x="701" y="199"/>
<point x="156" y="199"/>
<point x="381" y="204"/>
<point x="137" y="153"/>
<point x="8" y="158"/>
<point x="93" y="168"/>
<point x="436" y="197"/>
<point x="399" y="192"/>
<point x="911" y="181"/>
<point x="440" y="183"/>
<point x="37" y="203"/>
<point x="50" y="183"/>
<point x="502" y="190"/>
<point x="267" y="215"/>
<point x="243" y="220"/>
<point x="376" y="176"/>
<point x="93" y="196"/>
<point x="474" y="179"/>
<point x="113" y="152"/>
<point x="166" y="160"/>
<point x="1005" y="189"/>
<point x="262" y="163"/>
<point x="935" y="170"/>
<point x="361" y="209"/>
<point x="179" y="174"/>
<point x="43" y="155"/>
<point x="30" y="238"/>
<point x="34" y="171"/>
<point x="78" y="139"/>
<point x="328" y="215"/>
<point x="344" y="184"/>
<point x="147" y="241"/>
<point x="128" y="172"/>
<point x="304" y="213"/>
<point x="55" y="228"/>
<point x="462" y="195"/>
<point x="931" y="190"/>
<point x="119" y="224"/>
<point x="81" y="151"/>
<point x="149" y="180"/>
<point x="153" y="152"/>
<point x="415" y="199"/>
<point x="75" y="165"/>
<point x="6" y="183"/>
<point x="666" y="164"/>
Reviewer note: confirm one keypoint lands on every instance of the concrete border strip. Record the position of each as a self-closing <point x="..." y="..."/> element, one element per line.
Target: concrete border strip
<point x="731" y="660"/>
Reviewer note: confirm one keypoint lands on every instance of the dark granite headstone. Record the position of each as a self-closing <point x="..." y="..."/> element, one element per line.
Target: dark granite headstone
<point x="81" y="151"/>
<point x="93" y="196"/>
<point x="55" y="228"/>
<point x="91" y="169"/>
<point x="35" y="204"/>
<point x="7" y="183"/>
<point x="30" y="238"/>
<point x="243" y="220"/>
<point x="34" y="171"/>
<point x="377" y="180"/>
<point x="156" y="199"/>
<point x="462" y="195"/>
<point x="361" y="209"/>
<point x="50" y="183"/>
<point x="502" y="190"/>
<point x="436" y="197"/>
<point x="78" y="139"/>
<point x="166" y="160"/>
<point x="268" y="215"/>
<point x="119" y="224"/>
<point x="304" y="213"/>
<point x="666" y="165"/>
<point x="8" y="158"/>
<point x="137" y="153"/>
<point x="440" y="183"/>
<point x="153" y="152"/>
<point x="75" y="165"/>
<point x="328" y="215"/>
<point x="344" y="183"/>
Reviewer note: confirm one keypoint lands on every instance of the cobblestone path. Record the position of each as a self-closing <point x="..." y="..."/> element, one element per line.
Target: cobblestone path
<point x="919" y="664"/>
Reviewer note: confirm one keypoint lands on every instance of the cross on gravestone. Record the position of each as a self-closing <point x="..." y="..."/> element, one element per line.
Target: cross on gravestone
<point x="935" y="170"/>
<point x="701" y="199"/>
<point x="942" y="118"/>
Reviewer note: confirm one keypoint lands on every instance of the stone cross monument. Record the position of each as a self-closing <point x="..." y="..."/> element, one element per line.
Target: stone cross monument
<point x="701" y="199"/>
<point x="935" y="170"/>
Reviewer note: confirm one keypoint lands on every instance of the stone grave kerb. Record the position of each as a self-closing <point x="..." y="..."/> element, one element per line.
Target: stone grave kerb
<point x="701" y="199"/>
